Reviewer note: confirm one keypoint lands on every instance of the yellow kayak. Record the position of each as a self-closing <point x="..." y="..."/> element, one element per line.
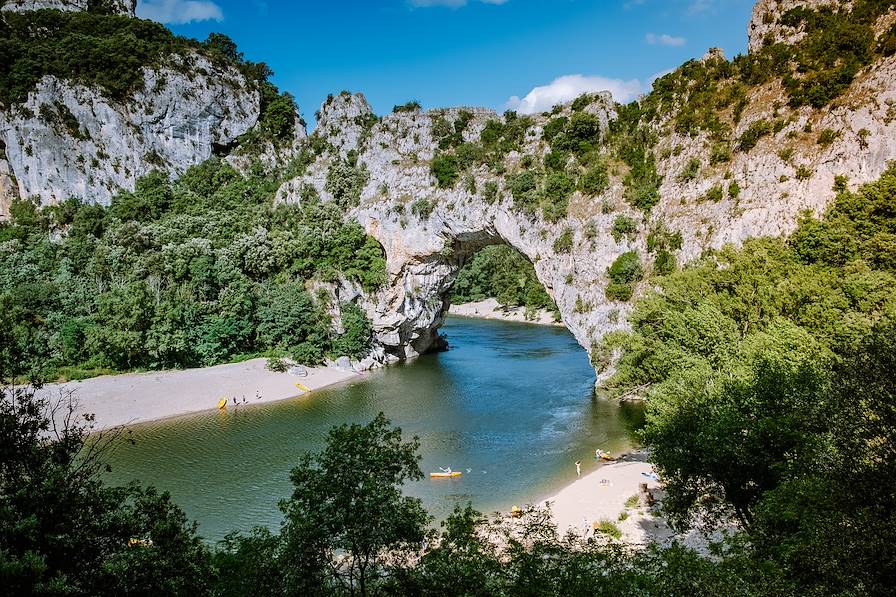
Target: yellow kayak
<point x="222" y="403"/>
<point x="445" y="475"/>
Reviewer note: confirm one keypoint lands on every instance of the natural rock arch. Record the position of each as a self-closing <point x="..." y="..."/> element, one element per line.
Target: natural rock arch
<point x="427" y="230"/>
<point x="423" y="263"/>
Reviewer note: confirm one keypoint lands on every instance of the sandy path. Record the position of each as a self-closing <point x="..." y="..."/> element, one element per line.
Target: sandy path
<point x="140" y="397"/>
<point x="490" y="309"/>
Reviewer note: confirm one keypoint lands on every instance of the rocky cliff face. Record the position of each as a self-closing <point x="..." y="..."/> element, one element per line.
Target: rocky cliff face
<point x="122" y="7"/>
<point x="426" y="247"/>
<point x="765" y="23"/>
<point x="68" y="140"/>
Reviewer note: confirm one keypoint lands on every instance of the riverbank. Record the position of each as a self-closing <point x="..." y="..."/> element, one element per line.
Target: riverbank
<point x="611" y="494"/>
<point x="490" y="309"/>
<point x="133" y="398"/>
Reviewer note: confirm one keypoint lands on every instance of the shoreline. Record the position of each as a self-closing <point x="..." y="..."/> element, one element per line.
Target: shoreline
<point x="601" y="495"/>
<point x="137" y="398"/>
<point x="490" y="309"/>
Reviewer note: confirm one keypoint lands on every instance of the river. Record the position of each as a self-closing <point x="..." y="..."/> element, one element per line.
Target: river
<point x="513" y="403"/>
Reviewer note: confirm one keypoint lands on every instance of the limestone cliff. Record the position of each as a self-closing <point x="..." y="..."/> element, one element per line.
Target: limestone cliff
<point x="69" y="138"/>
<point x="428" y="232"/>
<point x="434" y="187"/>
<point x="121" y="7"/>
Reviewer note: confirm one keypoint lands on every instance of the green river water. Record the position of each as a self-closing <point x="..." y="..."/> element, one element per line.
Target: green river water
<point x="513" y="403"/>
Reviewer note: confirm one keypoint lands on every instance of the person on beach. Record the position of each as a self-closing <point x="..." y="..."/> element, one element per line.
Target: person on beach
<point x="578" y="468"/>
<point x="234" y="400"/>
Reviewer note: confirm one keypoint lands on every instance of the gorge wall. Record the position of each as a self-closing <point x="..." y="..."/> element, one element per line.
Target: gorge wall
<point x="384" y="170"/>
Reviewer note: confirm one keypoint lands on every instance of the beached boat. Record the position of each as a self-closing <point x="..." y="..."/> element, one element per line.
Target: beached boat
<point x="445" y="475"/>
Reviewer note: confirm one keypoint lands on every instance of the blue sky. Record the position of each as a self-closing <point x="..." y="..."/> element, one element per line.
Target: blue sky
<point x="463" y="52"/>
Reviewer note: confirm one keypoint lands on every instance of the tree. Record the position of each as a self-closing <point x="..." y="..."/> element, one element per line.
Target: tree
<point x="347" y="499"/>
<point x="721" y="439"/>
<point x="63" y="531"/>
<point x="354" y="342"/>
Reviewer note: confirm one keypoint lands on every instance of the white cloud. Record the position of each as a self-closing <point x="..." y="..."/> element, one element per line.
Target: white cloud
<point x="450" y="3"/>
<point x="568" y="87"/>
<point x="177" y="12"/>
<point x="664" y="39"/>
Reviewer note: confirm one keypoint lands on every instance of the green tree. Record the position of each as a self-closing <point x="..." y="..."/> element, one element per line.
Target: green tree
<point x="63" y="531"/>
<point x="348" y="500"/>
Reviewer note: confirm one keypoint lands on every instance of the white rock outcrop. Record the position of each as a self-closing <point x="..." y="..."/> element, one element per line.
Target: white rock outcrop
<point x="68" y="140"/>
<point x="765" y="22"/>
<point x="425" y="247"/>
<point x="122" y="7"/>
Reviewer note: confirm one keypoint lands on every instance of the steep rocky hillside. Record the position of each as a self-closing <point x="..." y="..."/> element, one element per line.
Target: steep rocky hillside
<point x="600" y="197"/>
<point x="92" y="99"/>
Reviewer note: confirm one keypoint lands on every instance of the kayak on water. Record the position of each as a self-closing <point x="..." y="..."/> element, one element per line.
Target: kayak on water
<point x="445" y="475"/>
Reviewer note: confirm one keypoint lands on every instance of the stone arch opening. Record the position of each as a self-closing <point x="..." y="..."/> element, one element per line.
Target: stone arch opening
<point x="422" y="283"/>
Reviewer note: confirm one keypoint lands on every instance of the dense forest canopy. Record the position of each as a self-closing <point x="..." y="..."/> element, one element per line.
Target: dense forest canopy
<point x="179" y="274"/>
<point x="771" y="391"/>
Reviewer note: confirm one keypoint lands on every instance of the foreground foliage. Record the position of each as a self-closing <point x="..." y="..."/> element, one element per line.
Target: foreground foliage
<point x="771" y="391"/>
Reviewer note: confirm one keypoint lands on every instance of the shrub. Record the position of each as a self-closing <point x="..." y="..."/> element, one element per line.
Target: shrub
<point x="558" y="186"/>
<point x="733" y="189"/>
<point x="582" y="102"/>
<point x="522" y="189"/>
<point x="803" y="173"/>
<point x="357" y="334"/>
<point x="411" y="106"/>
<point x="556" y="160"/>
<point x="563" y="244"/>
<point x="580" y="134"/>
<point x="827" y="136"/>
<point x="276" y="365"/>
<point x="608" y="527"/>
<point x="715" y="194"/>
<point x="595" y="180"/>
<point x="490" y="191"/>
<point x="346" y="183"/>
<point x="626" y="268"/>
<point x="665" y="262"/>
<point x="721" y="153"/>
<point x="690" y="171"/>
<point x="554" y="126"/>
<point x="422" y="208"/>
<point x="619" y="292"/>
<point x="445" y="168"/>
<point x="623" y="226"/>
<point x="751" y="136"/>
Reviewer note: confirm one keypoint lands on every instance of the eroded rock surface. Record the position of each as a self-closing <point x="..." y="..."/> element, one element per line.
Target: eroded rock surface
<point x="68" y="140"/>
<point x="122" y="7"/>
<point x="428" y="232"/>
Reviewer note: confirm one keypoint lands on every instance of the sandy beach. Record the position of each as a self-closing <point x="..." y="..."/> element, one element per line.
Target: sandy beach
<point x="490" y="309"/>
<point x="140" y="397"/>
<point x="601" y="496"/>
